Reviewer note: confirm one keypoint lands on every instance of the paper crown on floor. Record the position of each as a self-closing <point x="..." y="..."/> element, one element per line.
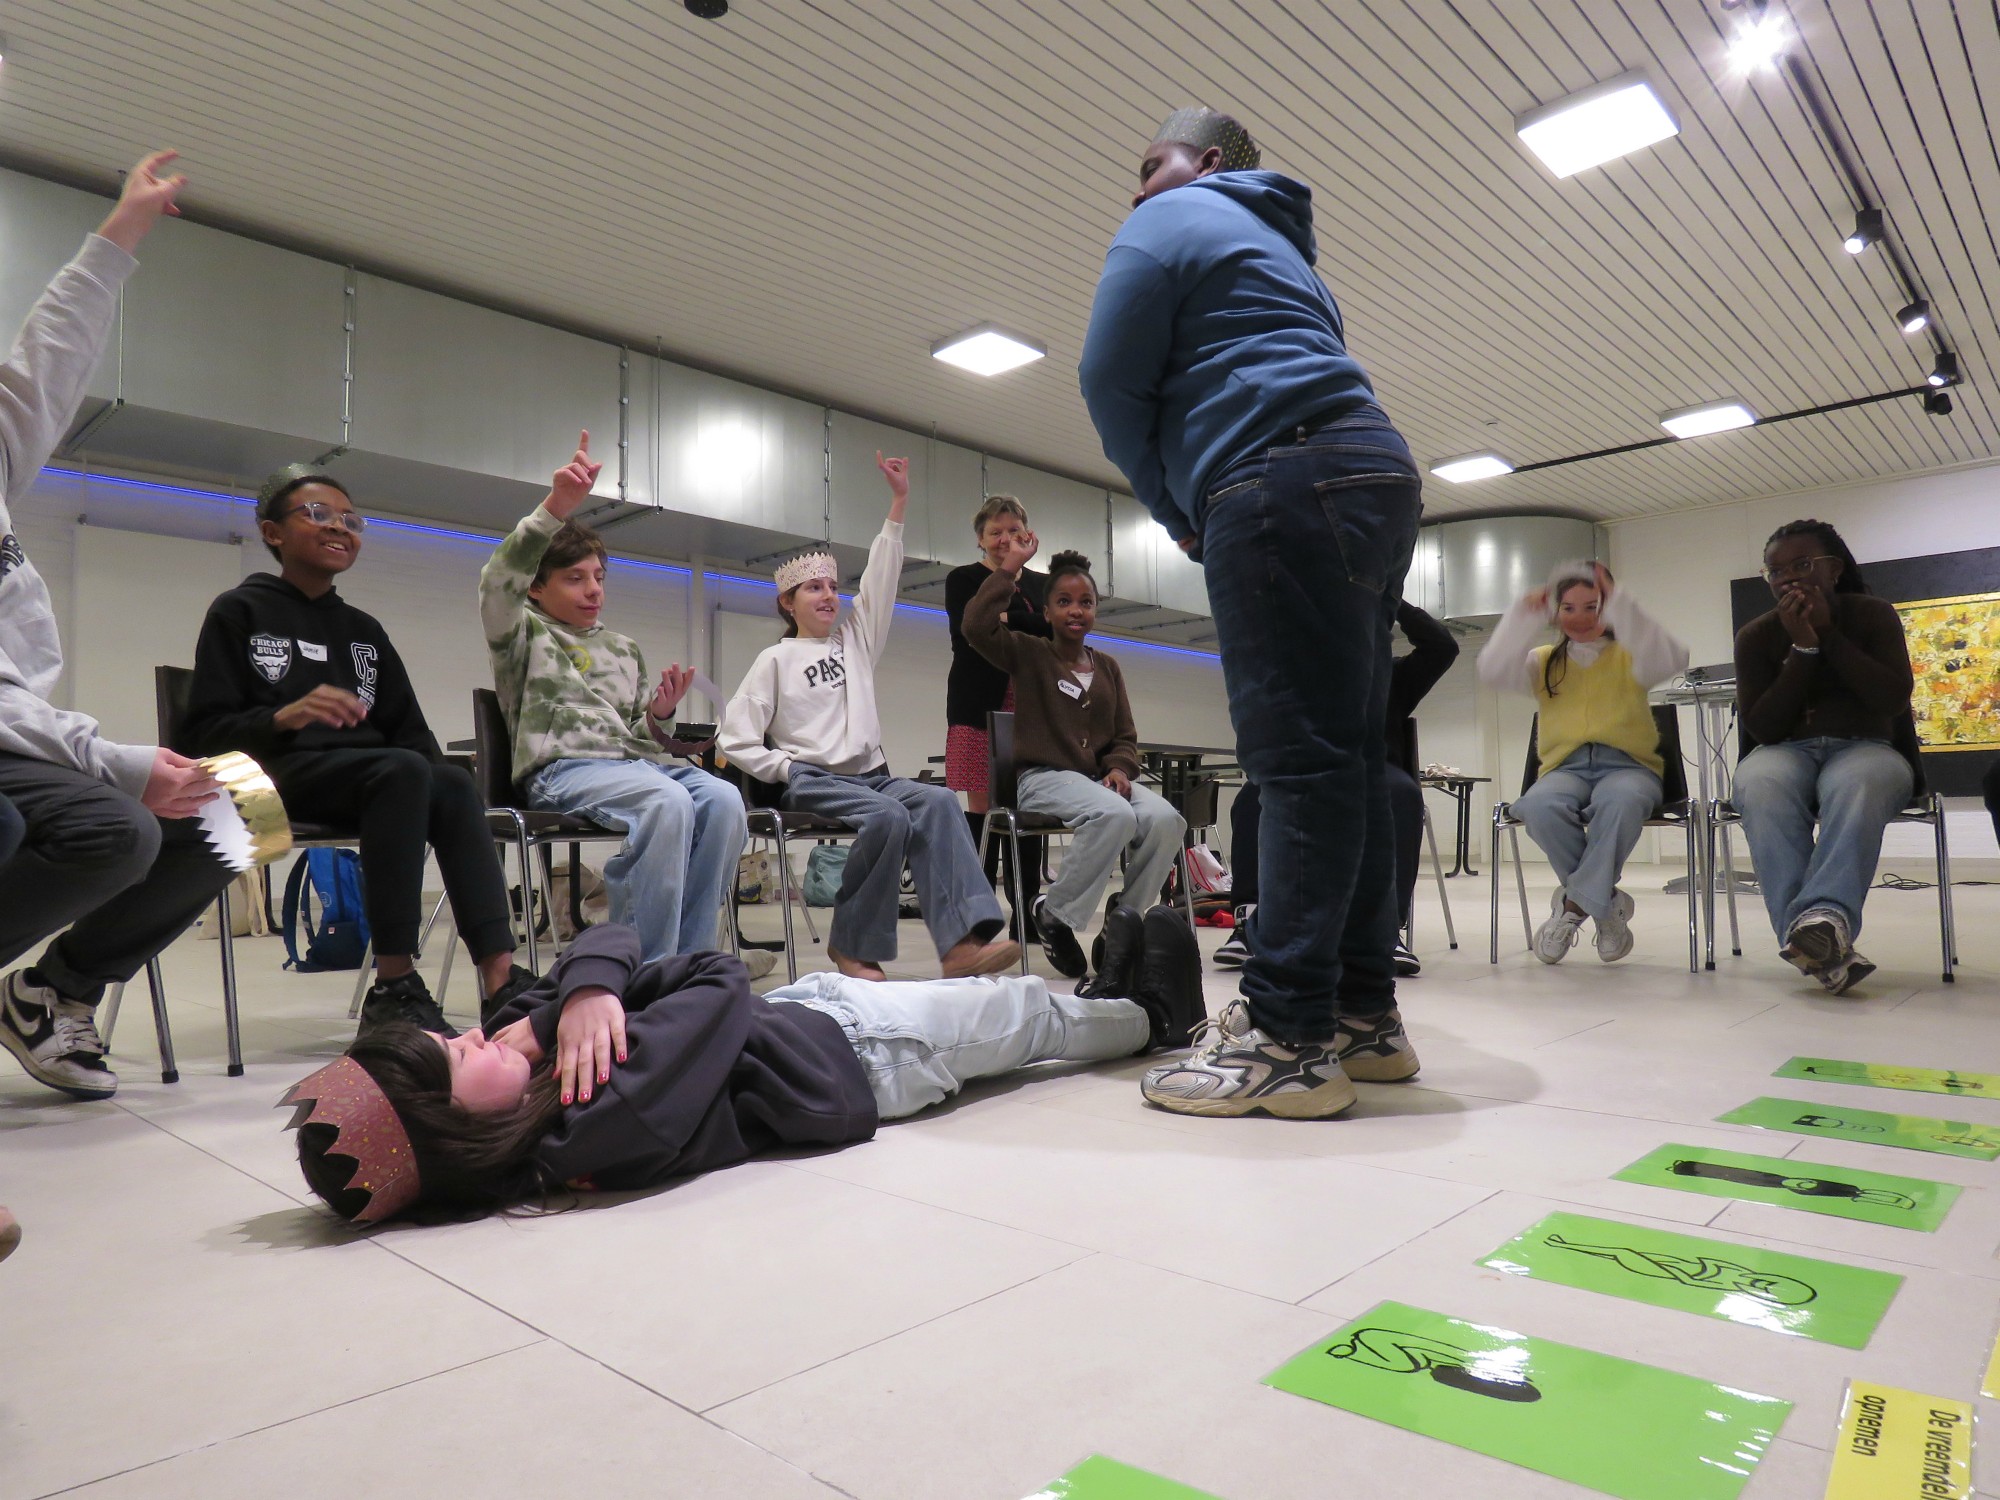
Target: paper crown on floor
<point x="248" y="825"/>
<point x="366" y="1127"/>
<point x="807" y="565"/>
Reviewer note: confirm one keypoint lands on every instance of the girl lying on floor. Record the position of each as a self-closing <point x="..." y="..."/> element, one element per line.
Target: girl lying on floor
<point x="610" y="1073"/>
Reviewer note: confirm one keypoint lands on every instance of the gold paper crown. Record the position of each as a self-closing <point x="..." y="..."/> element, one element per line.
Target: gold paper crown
<point x="256" y="802"/>
<point x="366" y="1127"/>
<point x="795" y="571"/>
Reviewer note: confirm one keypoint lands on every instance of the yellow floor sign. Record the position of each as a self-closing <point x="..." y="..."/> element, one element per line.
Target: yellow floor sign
<point x="1990" y="1386"/>
<point x="1901" y="1445"/>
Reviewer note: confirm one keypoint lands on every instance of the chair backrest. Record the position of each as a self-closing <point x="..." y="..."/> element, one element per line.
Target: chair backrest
<point x="1201" y="803"/>
<point x="1003" y="780"/>
<point x="496" y="750"/>
<point x="172" y="687"/>
<point x="1673" y="771"/>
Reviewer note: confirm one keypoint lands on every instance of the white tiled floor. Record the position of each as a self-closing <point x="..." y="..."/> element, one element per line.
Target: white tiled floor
<point x="964" y="1307"/>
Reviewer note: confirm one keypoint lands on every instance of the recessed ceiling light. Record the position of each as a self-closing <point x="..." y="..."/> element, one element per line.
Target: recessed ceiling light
<point x="1758" y="44"/>
<point x="1715" y="416"/>
<point x="986" y="350"/>
<point x="1598" y="125"/>
<point x="1471" y="466"/>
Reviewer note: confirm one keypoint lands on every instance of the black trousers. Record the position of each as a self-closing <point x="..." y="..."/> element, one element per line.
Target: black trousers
<point x="1406" y="804"/>
<point x="13" y="830"/>
<point x="400" y="800"/>
<point x="93" y="856"/>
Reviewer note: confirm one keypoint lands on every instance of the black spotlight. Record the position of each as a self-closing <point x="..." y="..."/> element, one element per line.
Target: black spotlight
<point x="1945" y="371"/>
<point x="1938" y="403"/>
<point x="1867" y="230"/>
<point x="708" y="10"/>
<point x="1915" y="318"/>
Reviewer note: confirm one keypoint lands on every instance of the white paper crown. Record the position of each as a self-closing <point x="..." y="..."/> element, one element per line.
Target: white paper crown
<point x="795" y="571"/>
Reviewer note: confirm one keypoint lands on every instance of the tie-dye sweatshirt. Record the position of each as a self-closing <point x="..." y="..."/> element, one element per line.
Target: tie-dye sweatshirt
<point x="568" y="694"/>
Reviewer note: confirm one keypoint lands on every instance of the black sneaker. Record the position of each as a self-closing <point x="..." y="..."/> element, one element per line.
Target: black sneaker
<point x="1235" y="949"/>
<point x="1115" y="956"/>
<point x="1407" y="964"/>
<point x="1059" y="942"/>
<point x="55" y="1039"/>
<point x="1168" y="983"/>
<point x="406" y="998"/>
<point x="518" y="980"/>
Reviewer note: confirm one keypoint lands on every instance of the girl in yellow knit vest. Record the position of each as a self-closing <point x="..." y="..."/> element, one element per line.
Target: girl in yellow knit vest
<point x="1599" y="751"/>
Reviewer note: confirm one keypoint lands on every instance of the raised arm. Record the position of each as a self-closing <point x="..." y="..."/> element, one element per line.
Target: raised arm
<point x="1656" y="655"/>
<point x="1432" y="651"/>
<point x="986" y="616"/>
<point x="875" y="605"/>
<point x="510" y="572"/>
<point x="1504" y="661"/>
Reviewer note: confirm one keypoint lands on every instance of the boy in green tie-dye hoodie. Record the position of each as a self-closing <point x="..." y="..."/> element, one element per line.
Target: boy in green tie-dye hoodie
<point x="591" y="729"/>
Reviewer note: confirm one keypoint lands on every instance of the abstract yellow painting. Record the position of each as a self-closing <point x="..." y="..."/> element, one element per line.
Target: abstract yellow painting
<point x="1955" y="651"/>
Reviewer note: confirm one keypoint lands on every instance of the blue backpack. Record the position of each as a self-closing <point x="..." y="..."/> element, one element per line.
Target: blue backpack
<point x="338" y="938"/>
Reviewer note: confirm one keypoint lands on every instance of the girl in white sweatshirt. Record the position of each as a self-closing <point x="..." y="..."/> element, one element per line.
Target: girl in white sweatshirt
<point x="805" y="718"/>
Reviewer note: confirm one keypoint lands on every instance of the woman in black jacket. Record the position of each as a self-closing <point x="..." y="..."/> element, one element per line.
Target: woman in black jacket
<point x="977" y="688"/>
<point x="613" y="1074"/>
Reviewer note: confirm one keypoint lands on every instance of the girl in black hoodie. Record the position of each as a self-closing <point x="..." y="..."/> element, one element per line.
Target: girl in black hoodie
<point x="610" y="1073"/>
<point x="310" y="687"/>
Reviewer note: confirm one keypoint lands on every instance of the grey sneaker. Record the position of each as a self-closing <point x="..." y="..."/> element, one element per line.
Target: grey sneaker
<point x="1376" y="1050"/>
<point x="55" y="1039"/>
<point x="1839" y="978"/>
<point x="1818" y="939"/>
<point x="1235" y="1069"/>
<point x="1556" y="936"/>
<point x="1614" y="932"/>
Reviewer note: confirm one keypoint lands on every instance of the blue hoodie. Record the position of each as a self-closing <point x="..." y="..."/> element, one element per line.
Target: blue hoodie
<point x="1211" y="335"/>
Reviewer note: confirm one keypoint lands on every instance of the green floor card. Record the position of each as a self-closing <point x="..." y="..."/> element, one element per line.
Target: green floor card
<point x="1101" y="1478"/>
<point x="1888" y="1076"/>
<point x="1869" y="1127"/>
<point x="1627" y="1429"/>
<point x="1844" y="1192"/>
<point x="1815" y="1299"/>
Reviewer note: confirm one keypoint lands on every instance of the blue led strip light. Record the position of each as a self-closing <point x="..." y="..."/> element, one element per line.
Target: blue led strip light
<point x="483" y="539"/>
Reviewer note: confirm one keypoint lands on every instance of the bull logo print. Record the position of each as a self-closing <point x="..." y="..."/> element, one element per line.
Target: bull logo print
<point x="271" y="655"/>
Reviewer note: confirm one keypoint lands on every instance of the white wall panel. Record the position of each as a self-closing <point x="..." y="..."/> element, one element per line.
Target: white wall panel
<point x="726" y="450"/>
<point x="41" y="227"/>
<point x="447" y="383"/>
<point x="860" y="495"/>
<point x="224" y="328"/>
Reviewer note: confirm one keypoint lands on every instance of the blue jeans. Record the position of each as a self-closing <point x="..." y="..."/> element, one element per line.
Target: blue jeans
<point x="684" y="832"/>
<point x="922" y="1041"/>
<point x="1587" y="815"/>
<point x="920" y="821"/>
<point x="1851" y="788"/>
<point x="1145" y="829"/>
<point x="1305" y="547"/>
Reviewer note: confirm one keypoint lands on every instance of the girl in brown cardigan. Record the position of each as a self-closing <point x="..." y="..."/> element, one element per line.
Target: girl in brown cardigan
<point x="1076" y="748"/>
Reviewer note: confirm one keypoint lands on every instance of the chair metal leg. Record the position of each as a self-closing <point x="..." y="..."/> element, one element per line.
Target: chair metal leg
<point x="232" y="1025"/>
<point x="1947" y="922"/>
<point x="1437" y="872"/>
<point x="527" y="860"/>
<point x="1187" y="884"/>
<point x="812" y="924"/>
<point x="1521" y="886"/>
<point x="1014" y="859"/>
<point x="107" y="1011"/>
<point x="1729" y="892"/>
<point x="157" y="984"/>
<point x="785" y="901"/>
<point x="1694" y="906"/>
<point x="361" y="980"/>
<point x="450" y="948"/>
<point x="1493" y="897"/>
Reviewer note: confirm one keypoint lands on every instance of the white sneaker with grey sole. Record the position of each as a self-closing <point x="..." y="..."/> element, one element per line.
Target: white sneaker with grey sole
<point x="1556" y="936"/>
<point x="1614" y="930"/>
<point x="55" y="1039"/>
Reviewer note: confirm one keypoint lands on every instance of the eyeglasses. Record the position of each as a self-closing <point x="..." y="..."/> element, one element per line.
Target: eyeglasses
<point x="1797" y="569"/>
<point x="320" y="513"/>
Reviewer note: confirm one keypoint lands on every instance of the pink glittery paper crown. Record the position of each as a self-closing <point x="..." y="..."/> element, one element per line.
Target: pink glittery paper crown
<point x="367" y="1128"/>
<point x="795" y="571"/>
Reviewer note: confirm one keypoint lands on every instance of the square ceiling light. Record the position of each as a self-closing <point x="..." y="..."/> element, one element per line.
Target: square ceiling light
<point x="1600" y="124"/>
<point x="1471" y="466"/>
<point x="987" y="350"/>
<point x="1699" y="421"/>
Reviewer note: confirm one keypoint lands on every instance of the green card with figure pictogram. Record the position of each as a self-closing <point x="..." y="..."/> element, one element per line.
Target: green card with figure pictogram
<point x="1631" y="1430"/>
<point x="1842" y="1192"/>
<point x="1868" y="1127"/>
<point x="1795" y="1294"/>
<point x="1889" y="1076"/>
<point x="1101" y="1478"/>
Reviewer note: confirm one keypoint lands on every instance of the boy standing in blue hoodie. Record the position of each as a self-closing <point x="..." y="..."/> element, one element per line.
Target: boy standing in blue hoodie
<point x="1219" y="379"/>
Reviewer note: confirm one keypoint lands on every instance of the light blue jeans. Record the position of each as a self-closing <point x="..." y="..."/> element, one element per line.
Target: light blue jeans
<point x="684" y="832"/>
<point x="921" y="1041"/>
<point x="1851" y="788"/>
<point x="1146" y="830"/>
<point x="1587" y="815"/>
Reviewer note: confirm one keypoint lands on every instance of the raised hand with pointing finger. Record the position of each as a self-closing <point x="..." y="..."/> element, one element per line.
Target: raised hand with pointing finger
<point x="573" y="481"/>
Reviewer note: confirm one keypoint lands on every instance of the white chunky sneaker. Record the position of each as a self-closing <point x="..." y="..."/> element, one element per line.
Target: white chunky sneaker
<point x="1614" y="930"/>
<point x="1235" y="1069"/>
<point x="1556" y="936"/>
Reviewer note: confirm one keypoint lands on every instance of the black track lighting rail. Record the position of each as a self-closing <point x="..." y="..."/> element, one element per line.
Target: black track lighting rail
<point x="1783" y="416"/>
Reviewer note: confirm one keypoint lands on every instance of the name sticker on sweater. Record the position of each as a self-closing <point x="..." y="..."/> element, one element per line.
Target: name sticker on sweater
<point x="1071" y="688"/>
<point x="312" y="651"/>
